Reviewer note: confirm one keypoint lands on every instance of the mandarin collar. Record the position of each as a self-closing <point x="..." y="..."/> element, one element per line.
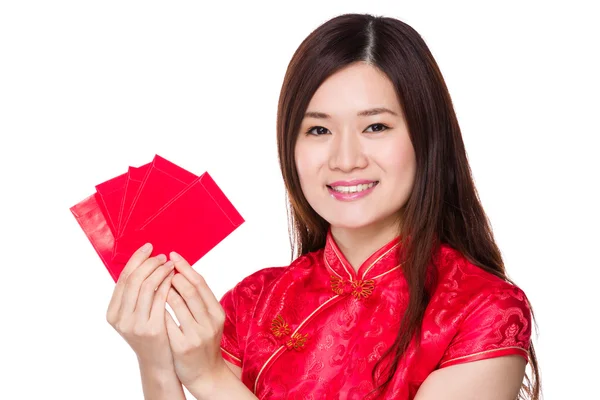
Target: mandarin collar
<point x="383" y="261"/>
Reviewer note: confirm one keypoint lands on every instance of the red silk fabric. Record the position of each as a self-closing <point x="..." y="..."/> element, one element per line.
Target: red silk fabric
<point x="314" y="329"/>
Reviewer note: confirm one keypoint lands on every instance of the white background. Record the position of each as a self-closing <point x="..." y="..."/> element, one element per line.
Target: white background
<point x="89" y="88"/>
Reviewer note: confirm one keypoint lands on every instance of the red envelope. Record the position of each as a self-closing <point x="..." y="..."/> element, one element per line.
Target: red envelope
<point x="159" y="203"/>
<point x="90" y="217"/>
<point x="162" y="182"/>
<point x="109" y="196"/>
<point x="135" y="176"/>
<point x="192" y="223"/>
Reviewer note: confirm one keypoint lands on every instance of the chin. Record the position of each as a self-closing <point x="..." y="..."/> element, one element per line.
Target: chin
<point x="351" y="222"/>
<point x="381" y="220"/>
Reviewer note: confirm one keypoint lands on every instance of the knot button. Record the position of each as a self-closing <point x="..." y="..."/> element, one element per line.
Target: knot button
<point x="357" y="288"/>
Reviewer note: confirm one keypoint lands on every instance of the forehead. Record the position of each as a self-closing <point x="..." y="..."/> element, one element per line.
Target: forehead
<point x="354" y="88"/>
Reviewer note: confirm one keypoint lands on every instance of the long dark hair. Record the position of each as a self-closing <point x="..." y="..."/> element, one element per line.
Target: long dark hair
<point x="444" y="206"/>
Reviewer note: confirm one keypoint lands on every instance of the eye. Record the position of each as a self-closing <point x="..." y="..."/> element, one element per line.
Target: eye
<point x="377" y="128"/>
<point x="317" y="131"/>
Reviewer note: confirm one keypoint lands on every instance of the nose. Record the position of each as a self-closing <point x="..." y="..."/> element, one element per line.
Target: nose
<point x="346" y="152"/>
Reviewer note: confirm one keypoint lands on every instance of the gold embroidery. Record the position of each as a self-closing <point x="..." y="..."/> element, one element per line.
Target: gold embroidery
<point x="337" y="285"/>
<point x="297" y="341"/>
<point x="358" y="288"/>
<point x="300" y="340"/>
<point x="363" y="288"/>
<point x="279" y="327"/>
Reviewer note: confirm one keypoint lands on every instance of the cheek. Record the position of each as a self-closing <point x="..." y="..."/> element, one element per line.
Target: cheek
<point x="400" y="160"/>
<point x="307" y="161"/>
<point x="304" y="168"/>
<point x="309" y="165"/>
<point x="408" y="163"/>
<point x="301" y="161"/>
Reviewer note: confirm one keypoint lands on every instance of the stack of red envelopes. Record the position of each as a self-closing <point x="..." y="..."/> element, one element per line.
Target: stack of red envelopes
<point x="160" y="203"/>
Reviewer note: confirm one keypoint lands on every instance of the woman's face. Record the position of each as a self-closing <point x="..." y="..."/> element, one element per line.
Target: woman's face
<point x="354" y="156"/>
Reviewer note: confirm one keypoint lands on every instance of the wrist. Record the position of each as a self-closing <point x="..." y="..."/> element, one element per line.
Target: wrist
<point x="156" y="370"/>
<point x="159" y="382"/>
<point x="208" y="388"/>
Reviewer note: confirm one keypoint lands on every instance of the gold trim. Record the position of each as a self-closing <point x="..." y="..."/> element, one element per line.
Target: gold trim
<point x="264" y="365"/>
<point x="313" y="313"/>
<point x="385" y="273"/>
<point x="341" y="260"/>
<point x="329" y="265"/>
<point x="334" y="245"/>
<point x="379" y="258"/>
<point x="231" y="355"/>
<point x="484" y="352"/>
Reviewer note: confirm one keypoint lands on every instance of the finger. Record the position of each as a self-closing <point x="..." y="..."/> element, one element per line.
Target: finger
<point x="192" y="298"/>
<point x="208" y="297"/>
<point x="173" y="331"/>
<point x="135" y="280"/>
<point x="160" y="298"/>
<point x="136" y="259"/>
<point x="148" y="289"/>
<point x="187" y="322"/>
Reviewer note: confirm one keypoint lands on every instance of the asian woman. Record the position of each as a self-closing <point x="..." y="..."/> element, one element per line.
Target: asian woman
<point x="397" y="289"/>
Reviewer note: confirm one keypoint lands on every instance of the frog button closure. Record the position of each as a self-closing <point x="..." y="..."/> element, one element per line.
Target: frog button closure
<point x="282" y="330"/>
<point x="358" y="288"/>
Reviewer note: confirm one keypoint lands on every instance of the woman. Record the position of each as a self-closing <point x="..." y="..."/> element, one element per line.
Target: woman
<point x="398" y="291"/>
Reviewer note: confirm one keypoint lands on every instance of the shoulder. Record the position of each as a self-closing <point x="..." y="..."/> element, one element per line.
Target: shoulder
<point x="458" y="275"/>
<point x="254" y="285"/>
<point x="485" y="315"/>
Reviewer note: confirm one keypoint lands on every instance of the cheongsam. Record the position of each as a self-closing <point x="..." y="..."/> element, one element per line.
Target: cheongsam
<point x="316" y="328"/>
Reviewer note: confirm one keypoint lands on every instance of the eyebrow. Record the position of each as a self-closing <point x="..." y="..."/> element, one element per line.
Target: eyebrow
<point x="364" y="113"/>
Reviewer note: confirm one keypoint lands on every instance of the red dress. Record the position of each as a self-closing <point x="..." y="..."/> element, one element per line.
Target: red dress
<point x="314" y="329"/>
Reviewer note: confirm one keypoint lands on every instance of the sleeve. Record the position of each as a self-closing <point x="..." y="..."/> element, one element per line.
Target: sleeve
<point x="498" y="324"/>
<point x="239" y="305"/>
<point x="230" y="347"/>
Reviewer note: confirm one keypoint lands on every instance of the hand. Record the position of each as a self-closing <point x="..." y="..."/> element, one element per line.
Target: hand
<point x="196" y="342"/>
<point x="137" y="311"/>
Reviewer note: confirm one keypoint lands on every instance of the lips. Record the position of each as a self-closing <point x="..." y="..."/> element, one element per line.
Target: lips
<point x="351" y="190"/>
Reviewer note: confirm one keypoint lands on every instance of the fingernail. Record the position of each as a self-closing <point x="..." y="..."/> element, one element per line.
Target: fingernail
<point x="175" y="257"/>
<point x="161" y="258"/>
<point x="146" y="248"/>
<point x="170" y="264"/>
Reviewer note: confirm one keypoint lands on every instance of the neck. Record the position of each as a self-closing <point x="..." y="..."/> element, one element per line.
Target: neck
<point x="357" y="244"/>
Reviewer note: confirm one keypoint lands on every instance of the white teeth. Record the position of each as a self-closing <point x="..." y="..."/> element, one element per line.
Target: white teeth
<point x="353" y="189"/>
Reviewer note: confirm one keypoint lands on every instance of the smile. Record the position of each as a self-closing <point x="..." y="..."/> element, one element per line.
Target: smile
<point x="349" y="192"/>
<point x="353" y="189"/>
